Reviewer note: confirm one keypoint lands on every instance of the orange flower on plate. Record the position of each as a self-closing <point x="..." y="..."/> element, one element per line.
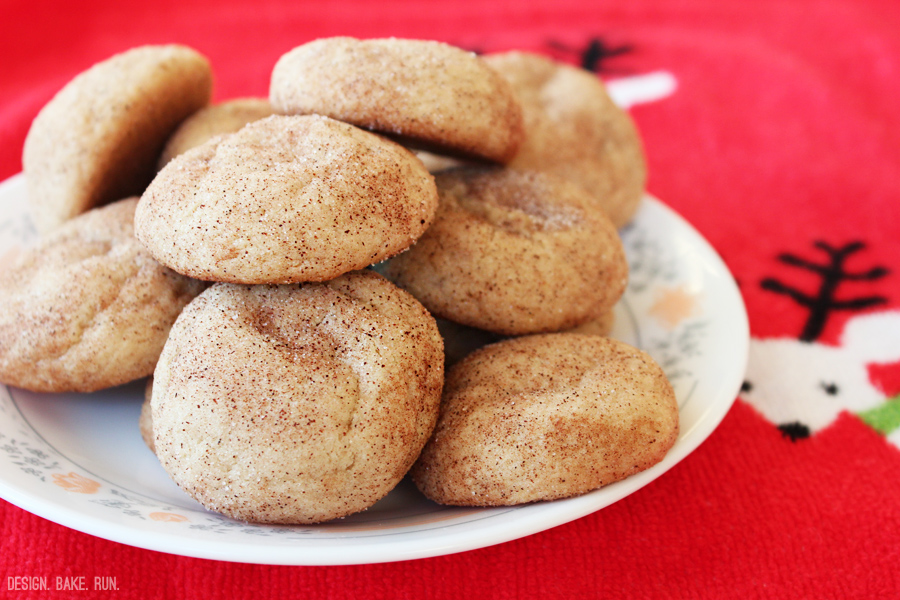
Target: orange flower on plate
<point x="674" y="305"/>
<point x="167" y="517"/>
<point x="73" y="482"/>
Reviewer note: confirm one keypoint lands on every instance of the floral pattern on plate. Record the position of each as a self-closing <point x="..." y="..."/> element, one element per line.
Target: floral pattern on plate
<point x="78" y="459"/>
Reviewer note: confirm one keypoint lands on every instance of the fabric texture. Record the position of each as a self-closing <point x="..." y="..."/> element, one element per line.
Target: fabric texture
<point x="777" y="140"/>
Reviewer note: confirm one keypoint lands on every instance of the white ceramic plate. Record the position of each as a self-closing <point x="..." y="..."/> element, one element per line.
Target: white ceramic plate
<point x="78" y="459"/>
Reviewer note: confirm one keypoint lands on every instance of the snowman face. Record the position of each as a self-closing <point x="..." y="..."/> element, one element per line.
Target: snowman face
<point x="798" y="385"/>
<point x="803" y="386"/>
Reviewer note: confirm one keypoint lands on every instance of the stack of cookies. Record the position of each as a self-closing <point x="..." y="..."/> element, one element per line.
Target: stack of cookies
<point x="286" y="267"/>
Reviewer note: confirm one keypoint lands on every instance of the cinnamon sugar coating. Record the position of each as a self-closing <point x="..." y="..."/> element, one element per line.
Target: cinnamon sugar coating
<point x="296" y="403"/>
<point x="98" y="140"/>
<point x="87" y="307"/>
<point x="286" y="199"/>
<point x="210" y="121"/>
<point x="427" y="93"/>
<point x="513" y="252"/>
<point x="545" y="417"/>
<point x="574" y="130"/>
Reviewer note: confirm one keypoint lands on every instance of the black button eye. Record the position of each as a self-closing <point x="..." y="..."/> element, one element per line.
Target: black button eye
<point x="830" y="388"/>
<point x="746" y="386"/>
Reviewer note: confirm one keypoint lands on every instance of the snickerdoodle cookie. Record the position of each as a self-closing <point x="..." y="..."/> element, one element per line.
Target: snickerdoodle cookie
<point x="545" y="417"/>
<point x="296" y="403"/>
<point x="87" y="307"/>
<point x="213" y="120"/>
<point x="99" y="139"/>
<point x="286" y="199"/>
<point x="513" y="252"/>
<point x="426" y="93"/>
<point x="573" y="129"/>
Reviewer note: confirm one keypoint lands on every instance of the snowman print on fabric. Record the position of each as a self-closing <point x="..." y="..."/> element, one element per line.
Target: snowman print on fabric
<point x="802" y="385"/>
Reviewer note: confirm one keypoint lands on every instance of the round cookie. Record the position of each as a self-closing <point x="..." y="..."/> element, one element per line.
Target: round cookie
<point x="296" y="404"/>
<point x="286" y="199"/>
<point x="573" y="129"/>
<point x="213" y="120"/>
<point x="87" y="308"/>
<point x="513" y="252"/>
<point x="426" y="93"/>
<point x="546" y="417"/>
<point x="99" y="139"/>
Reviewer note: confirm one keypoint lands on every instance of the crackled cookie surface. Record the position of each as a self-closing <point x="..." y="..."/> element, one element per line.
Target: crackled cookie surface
<point x="296" y="403"/>
<point x="513" y="252"/>
<point x="573" y="129"/>
<point x="286" y="199"/>
<point x="87" y="307"/>
<point x="210" y="121"/>
<point x="99" y="139"/>
<point x="545" y="417"/>
<point x="427" y="93"/>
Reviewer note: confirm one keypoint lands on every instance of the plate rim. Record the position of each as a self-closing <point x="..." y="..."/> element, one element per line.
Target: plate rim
<point x="460" y="541"/>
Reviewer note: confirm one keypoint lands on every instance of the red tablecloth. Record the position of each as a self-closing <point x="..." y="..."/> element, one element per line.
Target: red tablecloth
<point x="781" y="144"/>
